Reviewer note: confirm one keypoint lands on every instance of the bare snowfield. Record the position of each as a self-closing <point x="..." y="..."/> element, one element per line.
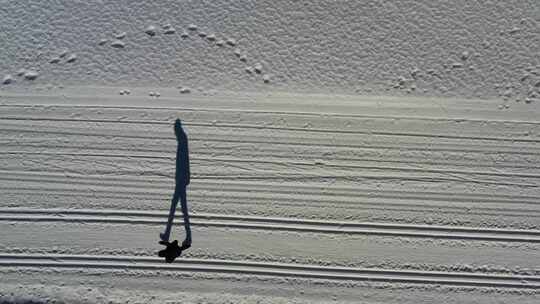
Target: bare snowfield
<point x="341" y="151"/>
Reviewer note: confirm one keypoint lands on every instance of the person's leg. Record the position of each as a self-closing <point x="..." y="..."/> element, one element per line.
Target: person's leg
<point x="185" y="213"/>
<point x="174" y="202"/>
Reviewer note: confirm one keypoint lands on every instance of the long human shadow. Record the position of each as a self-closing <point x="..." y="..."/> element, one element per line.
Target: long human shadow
<point x="182" y="181"/>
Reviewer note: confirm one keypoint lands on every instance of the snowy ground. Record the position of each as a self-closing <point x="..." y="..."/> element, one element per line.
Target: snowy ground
<point x="341" y="151"/>
<point x="426" y="48"/>
<point x="327" y="198"/>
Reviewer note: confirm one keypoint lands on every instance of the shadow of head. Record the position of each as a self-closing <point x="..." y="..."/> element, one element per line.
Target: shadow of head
<point x="178" y="126"/>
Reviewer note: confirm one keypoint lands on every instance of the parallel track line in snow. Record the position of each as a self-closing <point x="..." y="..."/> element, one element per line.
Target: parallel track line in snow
<point x="273" y="224"/>
<point x="266" y="127"/>
<point x="325" y="164"/>
<point x="293" y="142"/>
<point x="273" y="112"/>
<point x="247" y="218"/>
<point x="291" y="176"/>
<point x="253" y="188"/>
<point x="269" y="269"/>
<point x="303" y="203"/>
<point x="164" y="155"/>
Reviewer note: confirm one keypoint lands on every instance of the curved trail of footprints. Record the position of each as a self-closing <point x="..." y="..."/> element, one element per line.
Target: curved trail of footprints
<point x="192" y="30"/>
<point x="119" y="42"/>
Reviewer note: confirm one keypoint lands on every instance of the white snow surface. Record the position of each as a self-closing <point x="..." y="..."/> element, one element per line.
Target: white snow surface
<point x="294" y="198"/>
<point x="341" y="151"/>
<point x="425" y="48"/>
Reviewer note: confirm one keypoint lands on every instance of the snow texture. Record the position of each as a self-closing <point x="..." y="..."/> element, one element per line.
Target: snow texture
<point x="430" y="48"/>
<point x="341" y="151"/>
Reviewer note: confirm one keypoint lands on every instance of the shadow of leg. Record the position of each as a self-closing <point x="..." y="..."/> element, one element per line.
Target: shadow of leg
<point x="185" y="213"/>
<point x="165" y="235"/>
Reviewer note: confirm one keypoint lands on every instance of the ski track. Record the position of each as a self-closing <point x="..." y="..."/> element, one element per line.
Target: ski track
<point x="269" y="223"/>
<point x="271" y="269"/>
<point x="264" y="169"/>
